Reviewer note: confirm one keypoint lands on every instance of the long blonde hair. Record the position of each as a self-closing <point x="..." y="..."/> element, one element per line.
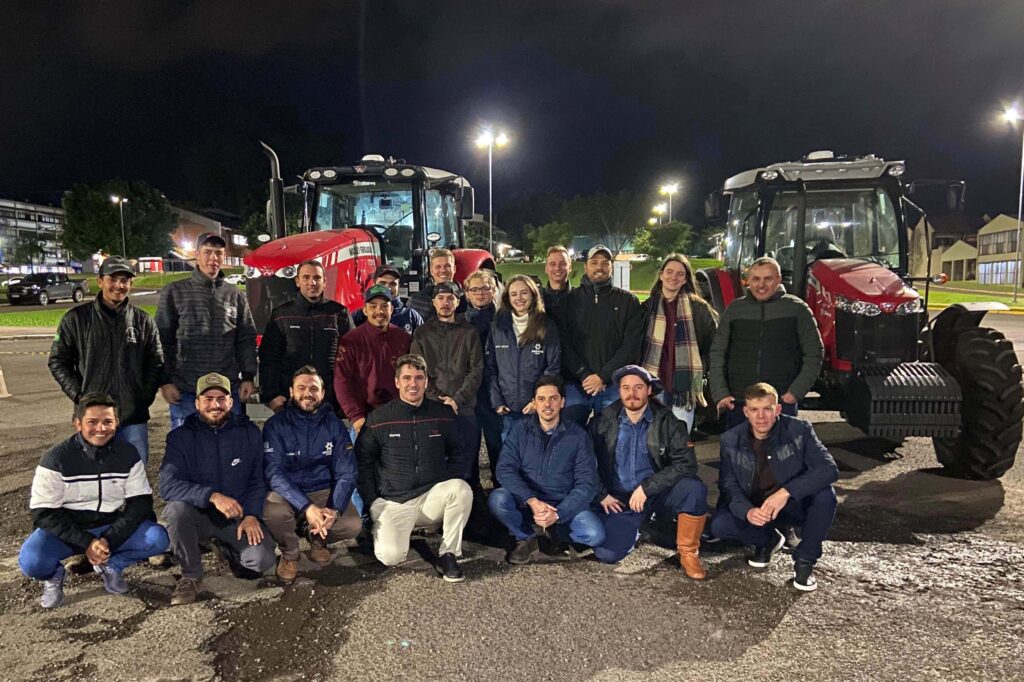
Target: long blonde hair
<point x="537" y="325"/>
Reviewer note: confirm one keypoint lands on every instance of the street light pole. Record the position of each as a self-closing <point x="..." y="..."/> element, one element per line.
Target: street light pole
<point x="1013" y="116"/>
<point x="670" y="189"/>
<point x="489" y="140"/>
<point x="121" y="201"/>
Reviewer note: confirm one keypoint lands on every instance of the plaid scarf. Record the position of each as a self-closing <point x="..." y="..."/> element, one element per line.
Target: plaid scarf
<point x="686" y="385"/>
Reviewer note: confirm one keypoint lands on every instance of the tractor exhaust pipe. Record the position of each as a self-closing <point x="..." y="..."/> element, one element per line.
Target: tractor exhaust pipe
<point x="275" y="207"/>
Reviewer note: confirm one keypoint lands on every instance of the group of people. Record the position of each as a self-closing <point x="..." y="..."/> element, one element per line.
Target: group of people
<point x="584" y="397"/>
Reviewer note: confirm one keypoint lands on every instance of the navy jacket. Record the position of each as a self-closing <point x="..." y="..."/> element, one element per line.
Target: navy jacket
<point x="514" y="370"/>
<point x="201" y="460"/>
<point x="798" y="460"/>
<point x="304" y="452"/>
<point x="563" y="474"/>
<point x="480" y="319"/>
<point x="402" y="316"/>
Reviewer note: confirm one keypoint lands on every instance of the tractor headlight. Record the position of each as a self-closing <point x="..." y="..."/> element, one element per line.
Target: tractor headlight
<point x="251" y="272"/>
<point x="314" y="175"/>
<point x="910" y="307"/>
<point x="287" y="272"/>
<point x="857" y="307"/>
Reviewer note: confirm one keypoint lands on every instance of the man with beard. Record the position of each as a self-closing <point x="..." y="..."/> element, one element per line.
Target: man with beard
<point x="647" y="467"/>
<point x="548" y="477"/>
<point x="90" y="495"/>
<point x="311" y="470"/>
<point x="602" y="327"/>
<point x="402" y="314"/>
<point x="411" y="469"/>
<point x="364" y="376"/>
<point x="212" y="480"/>
<point x="304" y="331"/>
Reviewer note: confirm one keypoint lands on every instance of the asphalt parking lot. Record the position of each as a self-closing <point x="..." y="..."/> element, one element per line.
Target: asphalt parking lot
<point x="923" y="578"/>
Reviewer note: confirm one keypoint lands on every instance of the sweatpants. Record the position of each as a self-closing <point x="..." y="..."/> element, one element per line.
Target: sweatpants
<point x="622" y="529"/>
<point x="583" y="529"/>
<point x="448" y="503"/>
<point x="813" y="513"/>
<point x="42" y="552"/>
<point x="283" y="521"/>
<point x="188" y="525"/>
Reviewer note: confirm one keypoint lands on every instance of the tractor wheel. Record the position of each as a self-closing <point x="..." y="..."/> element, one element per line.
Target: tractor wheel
<point x="989" y="375"/>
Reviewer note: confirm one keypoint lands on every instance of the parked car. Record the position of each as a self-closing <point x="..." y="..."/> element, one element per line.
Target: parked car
<point x="235" y="279"/>
<point x="515" y="256"/>
<point x="639" y="258"/>
<point x="9" y="282"/>
<point x="43" y="287"/>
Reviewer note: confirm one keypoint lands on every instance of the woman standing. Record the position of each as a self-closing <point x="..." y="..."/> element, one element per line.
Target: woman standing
<point x="524" y="346"/>
<point x="679" y="330"/>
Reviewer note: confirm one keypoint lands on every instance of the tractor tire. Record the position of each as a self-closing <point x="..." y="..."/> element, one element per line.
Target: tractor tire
<point x="989" y="375"/>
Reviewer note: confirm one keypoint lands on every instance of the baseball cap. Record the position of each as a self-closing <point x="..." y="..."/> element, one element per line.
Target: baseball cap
<point x="211" y="238"/>
<point x="115" y="265"/>
<point x="213" y="380"/>
<point x="638" y="371"/>
<point x="446" y="288"/>
<point x="387" y="269"/>
<point x="378" y="291"/>
<point x="600" y="248"/>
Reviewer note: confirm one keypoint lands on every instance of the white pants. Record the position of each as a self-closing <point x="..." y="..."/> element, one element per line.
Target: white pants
<point x="447" y="503"/>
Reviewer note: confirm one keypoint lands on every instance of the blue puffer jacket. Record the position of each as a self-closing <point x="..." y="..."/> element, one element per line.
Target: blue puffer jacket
<point x="513" y="370"/>
<point x="563" y="474"/>
<point x="304" y="452"/>
<point x="201" y="460"/>
<point x="798" y="460"/>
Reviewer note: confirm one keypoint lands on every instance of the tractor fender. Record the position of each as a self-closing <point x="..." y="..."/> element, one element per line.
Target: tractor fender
<point x="468" y="261"/>
<point x="719" y="286"/>
<point x="948" y="324"/>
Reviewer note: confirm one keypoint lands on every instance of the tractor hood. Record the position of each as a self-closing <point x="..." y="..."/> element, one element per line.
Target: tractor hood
<point x="292" y="250"/>
<point x="861" y="280"/>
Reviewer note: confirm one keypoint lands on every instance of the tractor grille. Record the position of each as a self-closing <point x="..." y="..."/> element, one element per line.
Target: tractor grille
<point x="885" y="338"/>
<point x="906" y="399"/>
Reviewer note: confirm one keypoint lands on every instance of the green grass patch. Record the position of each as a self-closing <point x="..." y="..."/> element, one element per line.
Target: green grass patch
<point x="938" y="299"/>
<point x="44" y="318"/>
<point x="159" y="280"/>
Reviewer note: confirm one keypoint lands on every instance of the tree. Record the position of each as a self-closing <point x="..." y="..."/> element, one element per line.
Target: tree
<point x="518" y="216"/>
<point x="611" y="218"/>
<point x="661" y="240"/>
<point x="546" y="236"/>
<point x="255" y="223"/>
<point x="93" y="221"/>
<point x="27" y="250"/>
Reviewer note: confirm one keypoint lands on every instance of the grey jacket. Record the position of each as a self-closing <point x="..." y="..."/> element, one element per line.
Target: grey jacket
<point x="205" y="326"/>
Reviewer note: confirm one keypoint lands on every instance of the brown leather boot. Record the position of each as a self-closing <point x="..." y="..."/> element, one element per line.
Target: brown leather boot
<point x="688" y="530"/>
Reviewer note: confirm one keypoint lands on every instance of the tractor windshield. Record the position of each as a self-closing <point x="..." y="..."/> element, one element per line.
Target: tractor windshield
<point x="850" y="223"/>
<point x="390" y="210"/>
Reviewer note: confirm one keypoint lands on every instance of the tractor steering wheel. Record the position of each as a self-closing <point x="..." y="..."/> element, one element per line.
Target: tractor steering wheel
<point x="825" y="248"/>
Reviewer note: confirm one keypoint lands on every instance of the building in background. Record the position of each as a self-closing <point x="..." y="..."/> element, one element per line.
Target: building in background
<point x="997" y="251"/>
<point x="946" y="231"/>
<point x="191" y="224"/>
<point x="21" y="223"/>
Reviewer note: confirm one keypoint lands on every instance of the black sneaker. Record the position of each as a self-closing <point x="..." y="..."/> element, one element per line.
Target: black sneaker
<point x="523" y="552"/>
<point x="803" y="576"/>
<point x="449" y="569"/>
<point x="763" y="555"/>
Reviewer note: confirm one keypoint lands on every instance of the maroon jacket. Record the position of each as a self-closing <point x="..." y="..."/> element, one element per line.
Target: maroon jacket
<point x="364" y="374"/>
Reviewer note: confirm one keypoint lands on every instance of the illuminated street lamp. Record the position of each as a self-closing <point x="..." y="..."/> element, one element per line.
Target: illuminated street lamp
<point x="1013" y="116"/>
<point x="652" y="221"/>
<point x="121" y="201"/>
<point x="669" y="189"/>
<point x="490" y="140"/>
<point x="659" y="211"/>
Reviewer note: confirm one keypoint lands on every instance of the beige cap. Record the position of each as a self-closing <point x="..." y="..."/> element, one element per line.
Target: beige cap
<point x="213" y="380"/>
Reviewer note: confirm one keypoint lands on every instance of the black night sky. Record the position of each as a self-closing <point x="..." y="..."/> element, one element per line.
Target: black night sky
<point x="598" y="95"/>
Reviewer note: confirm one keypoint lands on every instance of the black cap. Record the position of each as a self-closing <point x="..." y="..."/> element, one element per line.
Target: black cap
<point x="446" y="288"/>
<point x="638" y="371"/>
<point x="210" y="238"/>
<point x="387" y="269"/>
<point x="115" y="265"/>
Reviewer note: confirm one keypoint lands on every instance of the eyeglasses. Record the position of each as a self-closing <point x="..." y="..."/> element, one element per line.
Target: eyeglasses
<point x="478" y="290"/>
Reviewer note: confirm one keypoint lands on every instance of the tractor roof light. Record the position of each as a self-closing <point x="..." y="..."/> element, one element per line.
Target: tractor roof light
<point x="896" y="170"/>
<point x="314" y="175"/>
<point x="408" y="172"/>
<point x="330" y="173"/>
<point x="857" y="307"/>
<point x="769" y="175"/>
<point x="391" y="172"/>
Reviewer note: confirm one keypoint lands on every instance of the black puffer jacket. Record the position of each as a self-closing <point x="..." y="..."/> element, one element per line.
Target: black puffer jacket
<point x="301" y="332"/>
<point x="114" y="351"/>
<point x="671" y="455"/>
<point x="455" y="360"/>
<point x="405" y="450"/>
<point x="601" y="328"/>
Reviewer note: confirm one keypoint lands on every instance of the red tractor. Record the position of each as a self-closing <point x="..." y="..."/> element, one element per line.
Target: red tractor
<point x="837" y="227"/>
<point x="356" y="217"/>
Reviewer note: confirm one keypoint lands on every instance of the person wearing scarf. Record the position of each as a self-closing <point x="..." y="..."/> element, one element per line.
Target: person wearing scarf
<point x="679" y="330"/>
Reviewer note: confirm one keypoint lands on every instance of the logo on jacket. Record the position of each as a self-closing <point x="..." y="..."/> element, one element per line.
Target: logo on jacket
<point x="434" y="433"/>
<point x="394" y="435"/>
<point x="538" y="349"/>
<point x="131" y="335"/>
<point x="230" y="311"/>
<point x="236" y="461"/>
<point x="328" y="450"/>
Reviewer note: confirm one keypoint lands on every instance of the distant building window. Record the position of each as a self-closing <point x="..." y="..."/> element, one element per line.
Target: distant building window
<point x="999" y="272"/>
<point x="239" y="240"/>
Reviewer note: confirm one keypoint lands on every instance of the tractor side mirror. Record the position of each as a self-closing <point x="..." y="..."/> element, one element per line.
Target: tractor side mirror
<point x="955" y="196"/>
<point x="715" y="208"/>
<point x="466" y="204"/>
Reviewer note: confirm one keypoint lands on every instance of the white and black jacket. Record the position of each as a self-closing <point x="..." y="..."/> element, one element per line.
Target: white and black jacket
<point x="78" y="486"/>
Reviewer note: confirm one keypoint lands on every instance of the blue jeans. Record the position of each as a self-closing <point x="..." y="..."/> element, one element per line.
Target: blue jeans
<point x="42" y="552"/>
<point x="187" y="406"/>
<point x="735" y="416"/>
<point x="813" y="513"/>
<point x="687" y="496"/>
<point x="137" y="435"/>
<point x="579" y="405"/>
<point x="583" y="529"/>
